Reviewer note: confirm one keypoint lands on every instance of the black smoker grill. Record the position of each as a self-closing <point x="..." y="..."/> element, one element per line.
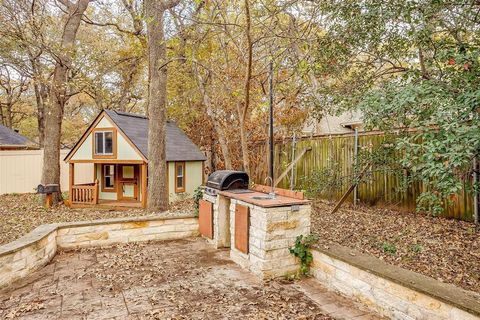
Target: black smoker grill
<point x="234" y="181"/>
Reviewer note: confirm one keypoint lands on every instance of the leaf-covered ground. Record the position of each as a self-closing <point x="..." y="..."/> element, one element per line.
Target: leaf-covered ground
<point x="444" y="249"/>
<point x="21" y="213"/>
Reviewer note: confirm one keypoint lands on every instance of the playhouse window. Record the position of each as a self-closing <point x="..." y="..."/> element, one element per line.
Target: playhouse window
<point x="179" y="177"/>
<point x="104" y="142"/>
<point x="109" y="176"/>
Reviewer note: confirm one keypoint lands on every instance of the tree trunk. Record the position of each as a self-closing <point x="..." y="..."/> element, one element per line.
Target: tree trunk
<point x="157" y="92"/>
<point x="40" y="98"/>
<point x="40" y="88"/>
<point x="216" y="125"/>
<point x="58" y="96"/>
<point x="242" y="113"/>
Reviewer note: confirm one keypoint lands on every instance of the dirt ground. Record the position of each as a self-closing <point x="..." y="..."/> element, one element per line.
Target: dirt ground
<point x="185" y="279"/>
<point x="445" y="249"/>
<point x="21" y="213"/>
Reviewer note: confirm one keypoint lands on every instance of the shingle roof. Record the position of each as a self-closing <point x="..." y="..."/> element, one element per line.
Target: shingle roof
<point x="8" y="137"/>
<point x="179" y="146"/>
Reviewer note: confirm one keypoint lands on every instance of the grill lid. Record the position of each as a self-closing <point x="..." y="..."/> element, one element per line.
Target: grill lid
<point x="228" y="180"/>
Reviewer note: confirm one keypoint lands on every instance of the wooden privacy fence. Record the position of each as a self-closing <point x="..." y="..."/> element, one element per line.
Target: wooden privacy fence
<point x="21" y="171"/>
<point x="338" y="152"/>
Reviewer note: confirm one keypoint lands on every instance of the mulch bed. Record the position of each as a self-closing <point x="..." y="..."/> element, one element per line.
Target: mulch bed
<point x="21" y="213"/>
<point x="445" y="249"/>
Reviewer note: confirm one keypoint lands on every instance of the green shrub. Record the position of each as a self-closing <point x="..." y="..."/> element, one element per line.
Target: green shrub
<point x="197" y="196"/>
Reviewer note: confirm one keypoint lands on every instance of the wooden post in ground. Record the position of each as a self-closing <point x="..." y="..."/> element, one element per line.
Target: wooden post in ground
<point x="290" y="166"/>
<point x="49" y="200"/>
<point x="352" y="187"/>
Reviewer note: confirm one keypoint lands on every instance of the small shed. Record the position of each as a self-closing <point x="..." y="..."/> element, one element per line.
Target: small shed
<point x="12" y="140"/>
<point x="116" y="144"/>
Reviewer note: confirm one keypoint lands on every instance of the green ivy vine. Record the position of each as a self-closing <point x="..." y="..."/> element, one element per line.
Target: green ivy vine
<point x="302" y="251"/>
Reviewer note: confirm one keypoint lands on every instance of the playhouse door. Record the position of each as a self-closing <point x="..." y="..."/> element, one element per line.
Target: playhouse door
<point x="128" y="180"/>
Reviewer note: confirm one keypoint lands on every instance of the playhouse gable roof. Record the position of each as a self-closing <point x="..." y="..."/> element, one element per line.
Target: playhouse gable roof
<point x="135" y="128"/>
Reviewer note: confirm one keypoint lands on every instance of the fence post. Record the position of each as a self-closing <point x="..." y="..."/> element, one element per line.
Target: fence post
<point x="355" y="166"/>
<point x="475" y="193"/>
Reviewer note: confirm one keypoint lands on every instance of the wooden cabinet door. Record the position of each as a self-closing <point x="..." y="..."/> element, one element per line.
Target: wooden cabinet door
<point x="242" y="223"/>
<point x="205" y="218"/>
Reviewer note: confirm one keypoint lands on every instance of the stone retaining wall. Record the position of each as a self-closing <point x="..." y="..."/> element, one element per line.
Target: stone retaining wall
<point x="392" y="291"/>
<point x="36" y="249"/>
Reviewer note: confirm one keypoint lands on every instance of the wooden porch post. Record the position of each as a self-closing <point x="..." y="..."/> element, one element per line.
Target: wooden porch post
<point x="95" y="192"/>
<point x="71" y="180"/>
<point x="144" y="185"/>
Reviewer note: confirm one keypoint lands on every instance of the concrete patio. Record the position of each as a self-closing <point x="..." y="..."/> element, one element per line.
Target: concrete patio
<point x="185" y="279"/>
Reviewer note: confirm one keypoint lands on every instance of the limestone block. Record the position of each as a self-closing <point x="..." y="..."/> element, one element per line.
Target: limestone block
<point x="457" y="314"/>
<point x="190" y="221"/>
<point x="143" y="237"/>
<point x="72" y="245"/>
<point x="283" y="225"/>
<point x="6" y="260"/>
<point x="346" y="277"/>
<point x="18" y="264"/>
<point x="103" y="235"/>
<point x="278" y="244"/>
<point x="280" y="272"/>
<point x="280" y="263"/>
<point x="239" y="258"/>
<point x="34" y="257"/>
<point x="334" y="262"/>
<point x="186" y="227"/>
<point x="23" y="253"/>
<point x="319" y="266"/>
<point x="155" y="230"/>
<point x="156" y="223"/>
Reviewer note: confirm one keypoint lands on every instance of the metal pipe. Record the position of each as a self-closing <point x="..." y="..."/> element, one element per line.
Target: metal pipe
<point x="271" y="126"/>
<point x="475" y="194"/>
<point x="292" y="174"/>
<point x="355" y="155"/>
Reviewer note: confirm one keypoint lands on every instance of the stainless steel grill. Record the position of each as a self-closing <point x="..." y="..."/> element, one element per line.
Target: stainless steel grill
<point x="236" y="181"/>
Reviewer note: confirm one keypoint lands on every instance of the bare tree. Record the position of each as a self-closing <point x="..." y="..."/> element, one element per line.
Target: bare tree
<point x="11" y="88"/>
<point x="59" y="94"/>
<point x="157" y="92"/>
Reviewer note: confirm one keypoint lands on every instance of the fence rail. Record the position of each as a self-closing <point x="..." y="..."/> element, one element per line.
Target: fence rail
<point x="379" y="187"/>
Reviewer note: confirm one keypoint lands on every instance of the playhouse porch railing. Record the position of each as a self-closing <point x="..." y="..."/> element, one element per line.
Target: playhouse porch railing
<point x="84" y="193"/>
